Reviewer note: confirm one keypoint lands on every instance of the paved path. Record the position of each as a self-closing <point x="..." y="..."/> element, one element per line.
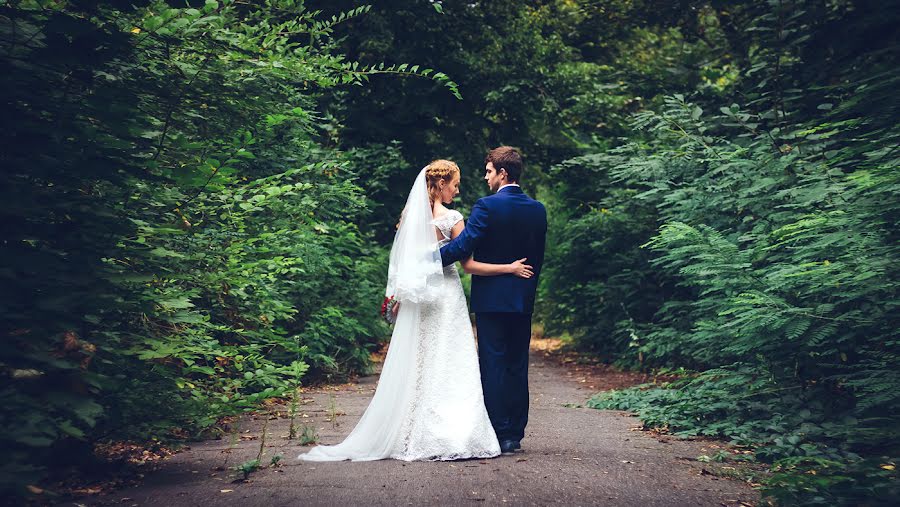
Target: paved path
<point x="573" y="456"/>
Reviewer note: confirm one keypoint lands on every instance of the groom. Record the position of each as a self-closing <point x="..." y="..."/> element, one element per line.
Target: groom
<point x="502" y="228"/>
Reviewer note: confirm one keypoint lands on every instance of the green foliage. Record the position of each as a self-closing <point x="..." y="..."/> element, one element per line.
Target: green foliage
<point x="753" y="237"/>
<point x="600" y="242"/>
<point x="814" y="452"/>
<point x="308" y="435"/>
<point x="247" y="468"/>
<point x="821" y="481"/>
<point x="523" y="83"/>
<point x="181" y="241"/>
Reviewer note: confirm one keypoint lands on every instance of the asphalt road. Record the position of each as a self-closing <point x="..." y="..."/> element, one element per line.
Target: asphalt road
<point x="572" y="456"/>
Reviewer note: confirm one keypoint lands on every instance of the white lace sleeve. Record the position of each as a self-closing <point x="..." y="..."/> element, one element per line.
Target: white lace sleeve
<point x="445" y="224"/>
<point x="453" y="217"/>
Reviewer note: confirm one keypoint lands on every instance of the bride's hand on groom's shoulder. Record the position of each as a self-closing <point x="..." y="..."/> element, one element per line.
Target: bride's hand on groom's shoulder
<point x="520" y="269"/>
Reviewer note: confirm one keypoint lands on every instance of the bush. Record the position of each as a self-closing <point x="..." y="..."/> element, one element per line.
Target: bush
<point x="773" y="269"/>
<point x="182" y="241"/>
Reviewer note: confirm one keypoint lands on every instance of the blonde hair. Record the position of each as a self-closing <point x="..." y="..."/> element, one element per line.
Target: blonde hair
<point x="435" y="172"/>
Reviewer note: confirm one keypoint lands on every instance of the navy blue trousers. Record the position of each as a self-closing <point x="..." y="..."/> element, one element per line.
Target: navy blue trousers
<point x="503" y="341"/>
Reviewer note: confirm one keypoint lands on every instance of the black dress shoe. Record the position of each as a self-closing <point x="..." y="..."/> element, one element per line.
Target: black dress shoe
<point x="509" y="446"/>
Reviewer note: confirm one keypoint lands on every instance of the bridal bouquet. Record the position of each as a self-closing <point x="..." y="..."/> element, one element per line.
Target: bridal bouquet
<point x="387" y="309"/>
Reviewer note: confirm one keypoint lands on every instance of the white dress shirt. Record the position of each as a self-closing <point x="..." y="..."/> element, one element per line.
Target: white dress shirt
<point x="508" y="185"/>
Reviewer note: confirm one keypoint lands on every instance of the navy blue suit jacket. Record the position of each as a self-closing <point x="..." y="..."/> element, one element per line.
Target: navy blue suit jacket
<point x="502" y="228"/>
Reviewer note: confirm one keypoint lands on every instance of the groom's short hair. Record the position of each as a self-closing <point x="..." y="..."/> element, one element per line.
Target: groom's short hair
<point x="507" y="158"/>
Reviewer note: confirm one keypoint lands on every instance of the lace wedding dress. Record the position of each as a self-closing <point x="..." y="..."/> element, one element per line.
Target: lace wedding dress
<point x="428" y="404"/>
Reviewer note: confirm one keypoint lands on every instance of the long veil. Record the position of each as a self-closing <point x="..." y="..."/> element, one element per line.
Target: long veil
<point x="414" y="277"/>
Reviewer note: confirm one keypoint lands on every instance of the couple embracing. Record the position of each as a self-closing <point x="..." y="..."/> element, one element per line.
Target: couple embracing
<point x="437" y="398"/>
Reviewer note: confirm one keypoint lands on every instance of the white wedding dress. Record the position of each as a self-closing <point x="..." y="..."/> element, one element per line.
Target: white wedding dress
<point x="428" y="404"/>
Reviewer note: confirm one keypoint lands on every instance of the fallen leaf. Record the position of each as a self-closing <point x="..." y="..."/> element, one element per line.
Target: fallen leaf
<point x="88" y="491"/>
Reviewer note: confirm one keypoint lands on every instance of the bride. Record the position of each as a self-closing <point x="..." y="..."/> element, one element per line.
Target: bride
<point x="428" y="404"/>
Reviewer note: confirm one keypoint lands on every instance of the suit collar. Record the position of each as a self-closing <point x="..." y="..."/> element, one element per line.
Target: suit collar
<point x="512" y="189"/>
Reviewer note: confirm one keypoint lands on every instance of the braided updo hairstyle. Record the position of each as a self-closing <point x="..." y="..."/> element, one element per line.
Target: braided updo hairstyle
<point x="439" y="170"/>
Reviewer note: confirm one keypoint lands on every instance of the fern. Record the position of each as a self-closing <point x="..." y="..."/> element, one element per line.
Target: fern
<point x="764" y="236"/>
